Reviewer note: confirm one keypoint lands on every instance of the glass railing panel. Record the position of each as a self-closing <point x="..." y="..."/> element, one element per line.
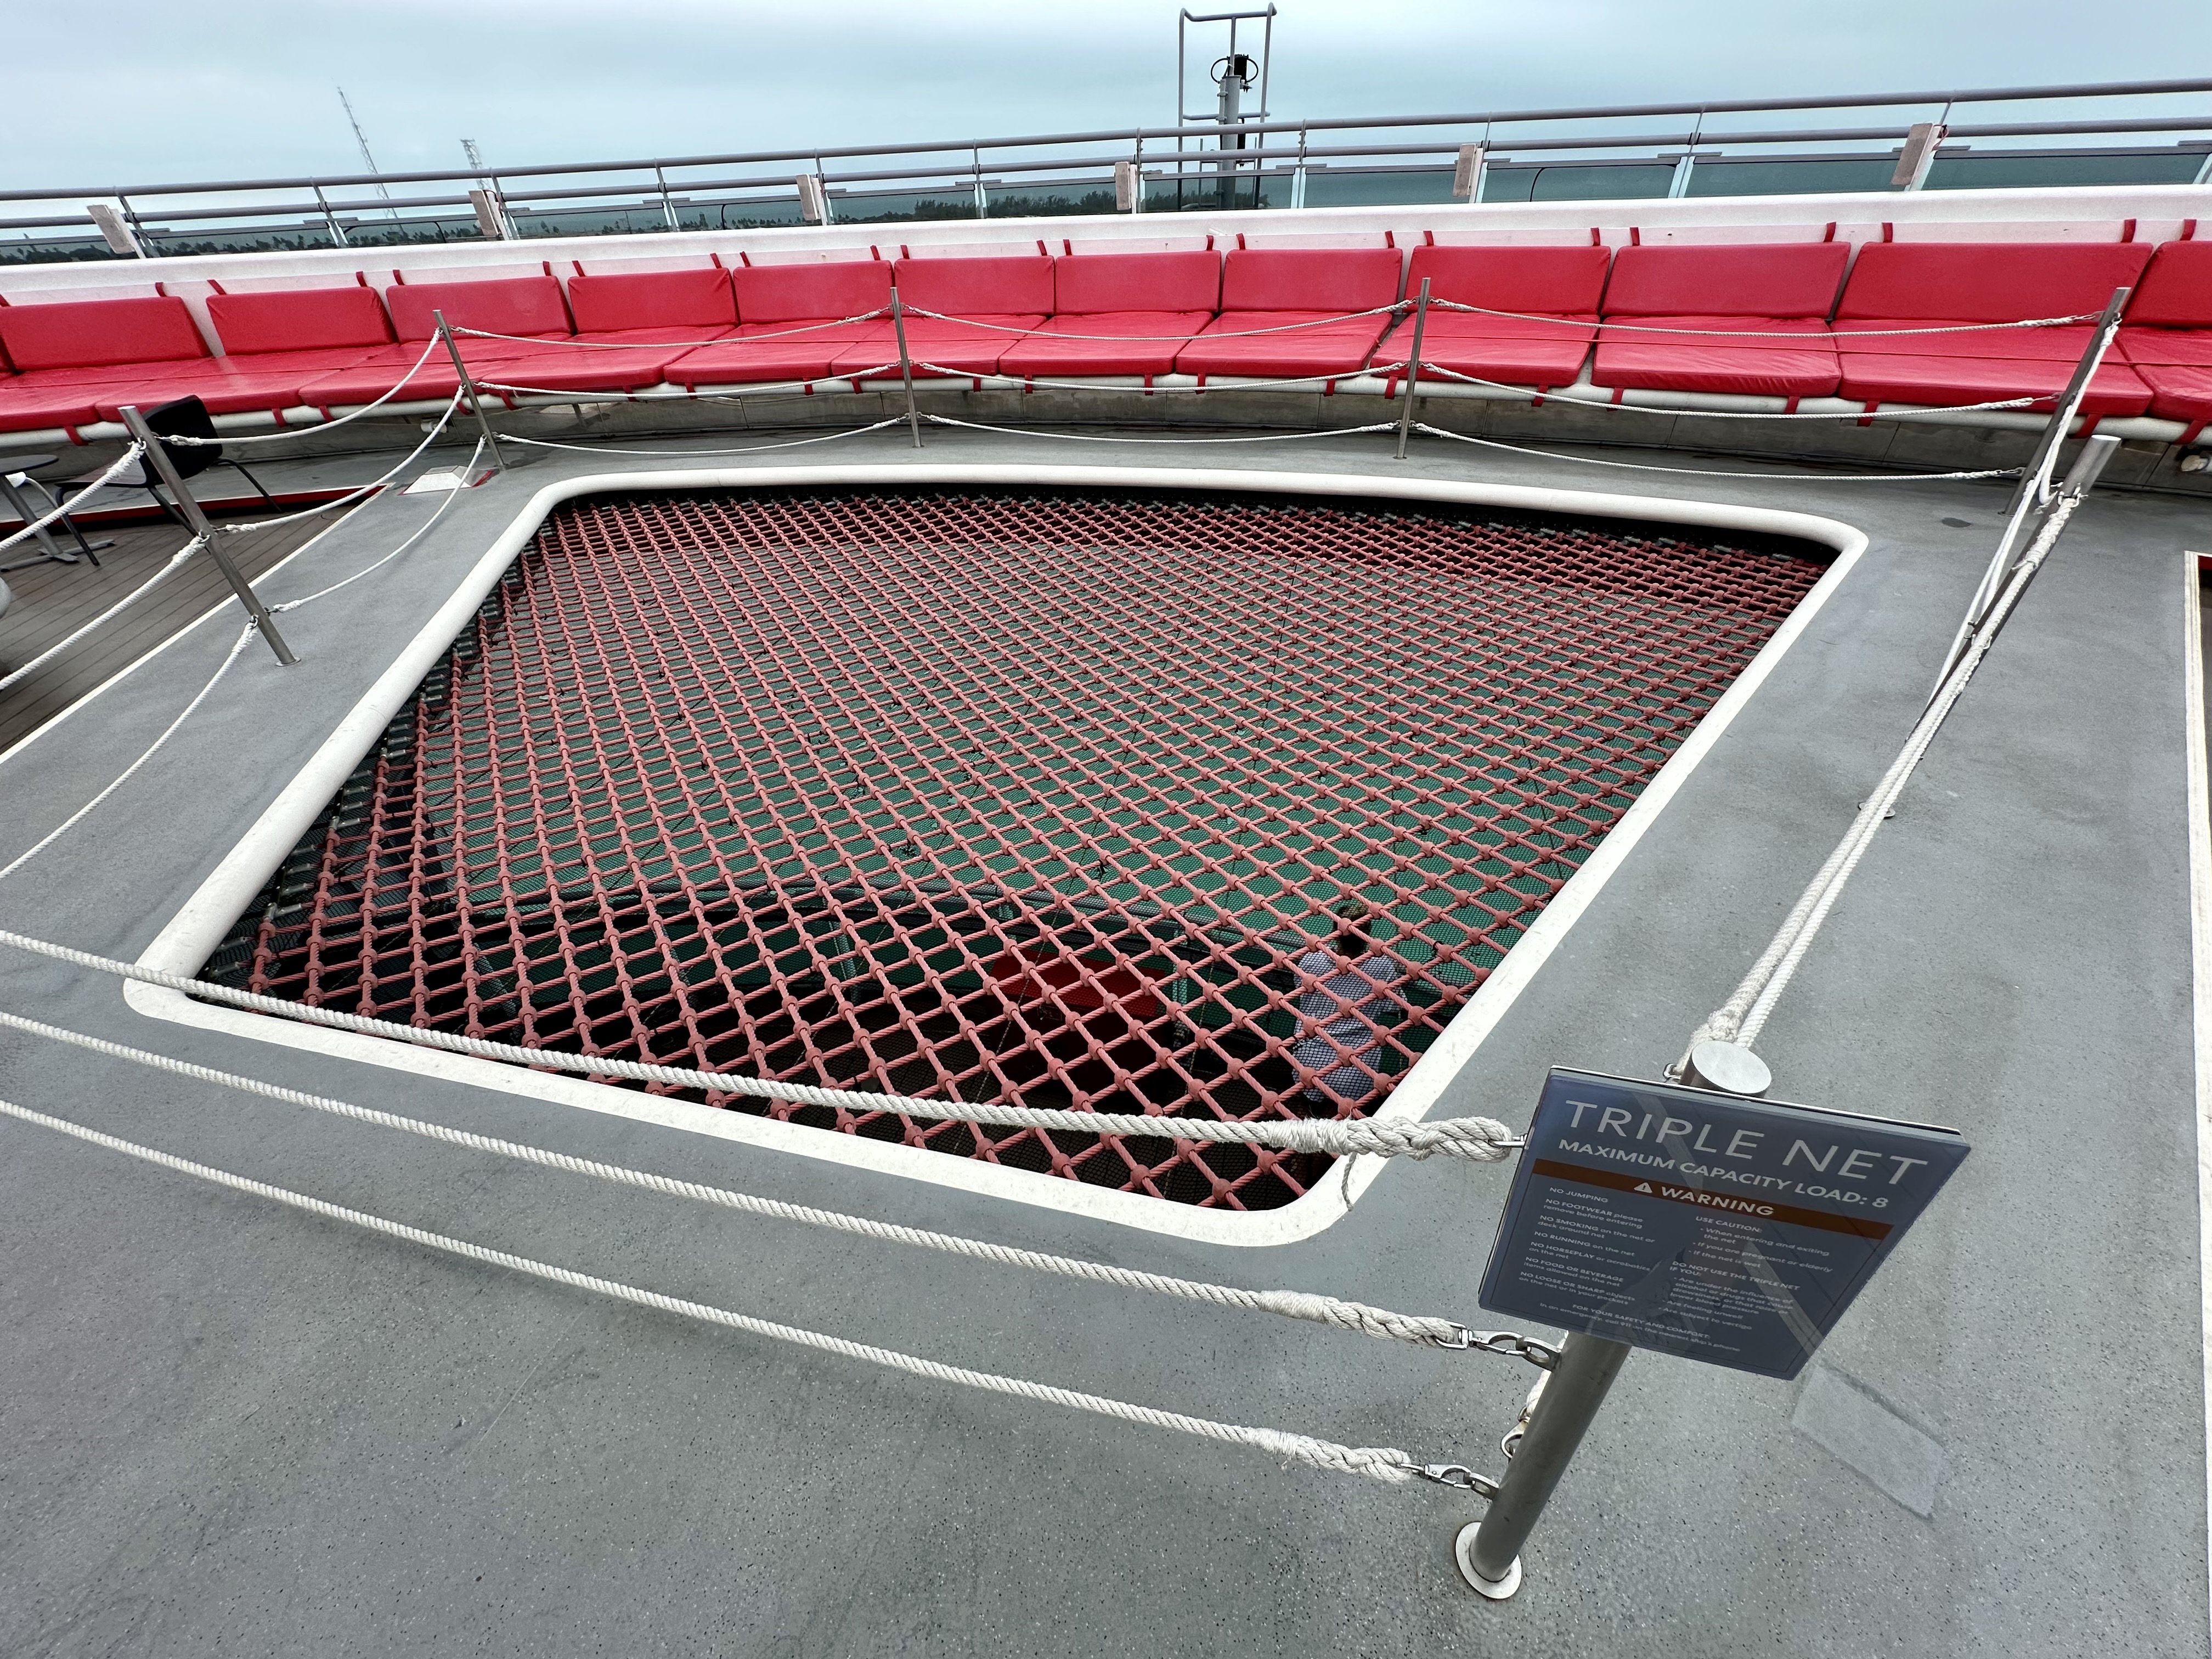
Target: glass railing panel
<point x="1776" y="176"/>
<point x="629" y="220"/>
<point x="54" y="250"/>
<point x="1049" y="202"/>
<point x="854" y="207"/>
<point x="1998" y="171"/>
<point x="1576" y="181"/>
<point x="1378" y="187"/>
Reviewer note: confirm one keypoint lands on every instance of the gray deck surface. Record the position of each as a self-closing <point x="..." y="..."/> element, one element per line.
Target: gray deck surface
<point x="231" y="1428"/>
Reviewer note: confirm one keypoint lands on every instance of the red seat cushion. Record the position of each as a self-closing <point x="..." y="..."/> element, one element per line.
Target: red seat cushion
<point x="79" y="333"/>
<point x="744" y="361"/>
<point x="1020" y="286"/>
<point x="1136" y="284"/>
<point x="227" y="385"/>
<point x="970" y="346"/>
<point x="653" y="299"/>
<point x="813" y="292"/>
<point x="1943" y="381"/>
<point x="2179" y="392"/>
<point x="1766" y="279"/>
<point x="1987" y="282"/>
<point x="2061" y="343"/>
<point x="1552" y="281"/>
<point x="299" y="319"/>
<point x="513" y="304"/>
<point x="2166" y="345"/>
<point x="1525" y="353"/>
<point x="2176" y="290"/>
<point x="1332" y="344"/>
<point x="1144" y="343"/>
<point x="1311" y="280"/>
<point x="1801" y="366"/>
<point x="615" y="360"/>
<point x="372" y="376"/>
<point x="36" y="408"/>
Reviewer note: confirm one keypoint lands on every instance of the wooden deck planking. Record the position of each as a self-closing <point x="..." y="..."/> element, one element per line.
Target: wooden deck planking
<point x="51" y="599"/>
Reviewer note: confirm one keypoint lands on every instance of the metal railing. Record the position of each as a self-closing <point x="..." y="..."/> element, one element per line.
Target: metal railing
<point x="1606" y="153"/>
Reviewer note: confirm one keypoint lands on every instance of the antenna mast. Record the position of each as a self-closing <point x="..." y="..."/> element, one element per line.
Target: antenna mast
<point x="362" y="138"/>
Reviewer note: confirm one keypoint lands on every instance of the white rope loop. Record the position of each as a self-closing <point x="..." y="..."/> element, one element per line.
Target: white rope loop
<point x="62" y="510"/>
<point x="369" y="408"/>
<point x="123" y="604"/>
<point x="248" y="527"/>
<point x="1103" y="438"/>
<point x="1763" y="334"/>
<point x="1157" y="339"/>
<point x="678" y="454"/>
<point x="1480" y="1139"/>
<point x="1528" y="393"/>
<point x="668" y="345"/>
<point x="1383" y="1463"/>
<point x="1333" y="1311"/>
<point x="428" y="525"/>
<point x="1703" y="472"/>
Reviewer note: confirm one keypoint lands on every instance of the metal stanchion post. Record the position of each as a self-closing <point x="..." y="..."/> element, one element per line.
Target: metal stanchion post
<point x="1489" y="1550"/>
<point x="469" y="385"/>
<point x="158" y="466"/>
<point x="906" y="364"/>
<point x="1413" y="369"/>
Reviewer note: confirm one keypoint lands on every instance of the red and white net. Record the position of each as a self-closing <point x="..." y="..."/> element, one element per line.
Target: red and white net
<point x="1053" y="798"/>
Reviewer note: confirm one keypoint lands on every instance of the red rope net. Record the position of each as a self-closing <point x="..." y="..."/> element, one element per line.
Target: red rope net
<point x="1067" y="800"/>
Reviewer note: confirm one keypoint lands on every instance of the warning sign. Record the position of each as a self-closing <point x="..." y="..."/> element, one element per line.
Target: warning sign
<point x="1731" y="1231"/>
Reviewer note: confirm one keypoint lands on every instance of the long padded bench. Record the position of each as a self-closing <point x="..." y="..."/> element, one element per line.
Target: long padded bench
<point x="1766" y="321"/>
<point x="1942" y="285"/>
<point x="1774" y="299"/>
<point x="2168" y="339"/>
<point x="1553" y="293"/>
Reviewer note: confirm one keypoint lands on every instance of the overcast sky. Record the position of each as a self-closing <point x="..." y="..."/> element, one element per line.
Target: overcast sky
<point x="147" y="91"/>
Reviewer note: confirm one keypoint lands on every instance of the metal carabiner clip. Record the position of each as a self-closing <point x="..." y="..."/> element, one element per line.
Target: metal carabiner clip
<point x="1459" y="1478"/>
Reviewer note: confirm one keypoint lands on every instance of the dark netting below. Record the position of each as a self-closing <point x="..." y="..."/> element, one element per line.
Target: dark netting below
<point x="1054" y="798"/>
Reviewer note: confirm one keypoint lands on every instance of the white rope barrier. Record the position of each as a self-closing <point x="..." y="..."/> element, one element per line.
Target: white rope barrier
<point x="61" y="509"/>
<point x="1383" y="1463"/>
<point x="1827" y="330"/>
<point x="1231" y="384"/>
<point x="123" y="604"/>
<point x="1482" y="1139"/>
<point x="427" y="525"/>
<point x="1744" y="1015"/>
<point x="321" y="426"/>
<point x="1101" y="438"/>
<point x="1334" y="1312"/>
<point x="762" y="389"/>
<point x="1702" y="472"/>
<point x="1528" y="393"/>
<point x="1154" y="339"/>
<point x="678" y="454"/>
<point x="123" y="776"/>
<point x="665" y="345"/>
<point x="352" y="496"/>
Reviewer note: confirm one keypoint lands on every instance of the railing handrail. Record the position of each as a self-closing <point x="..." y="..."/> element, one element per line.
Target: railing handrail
<point x="1137" y="135"/>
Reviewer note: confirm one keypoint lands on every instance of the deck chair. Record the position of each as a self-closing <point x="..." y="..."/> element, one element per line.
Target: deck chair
<point x="183" y="417"/>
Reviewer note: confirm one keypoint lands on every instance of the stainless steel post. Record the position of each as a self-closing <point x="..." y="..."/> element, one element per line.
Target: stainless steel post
<point x="469" y="385"/>
<point x="2035" y="492"/>
<point x="158" y="465"/>
<point x="906" y="365"/>
<point x="1489" y="1550"/>
<point x="1413" y="369"/>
